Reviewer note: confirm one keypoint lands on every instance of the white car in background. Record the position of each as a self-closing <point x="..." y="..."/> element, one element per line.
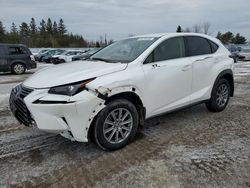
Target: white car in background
<point x="66" y="56"/>
<point x="108" y="96"/>
<point x="244" y="54"/>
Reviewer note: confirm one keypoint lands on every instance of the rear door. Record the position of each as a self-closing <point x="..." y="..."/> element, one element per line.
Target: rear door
<point x="201" y="53"/>
<point x="3" y="59"/>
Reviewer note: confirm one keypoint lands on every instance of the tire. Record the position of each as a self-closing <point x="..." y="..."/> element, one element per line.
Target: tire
<point x="118" y="134"/>
<point x="18" y="68"/>
<point x="219" y="97"/>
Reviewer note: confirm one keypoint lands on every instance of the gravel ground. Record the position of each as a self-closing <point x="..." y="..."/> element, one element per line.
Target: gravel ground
<point x="189" y="148"/>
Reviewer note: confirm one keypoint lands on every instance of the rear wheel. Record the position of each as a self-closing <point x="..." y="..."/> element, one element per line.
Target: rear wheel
<point x="219" y="97"/>
<point x="116" y="125"/>
<point x="18" y="68"/>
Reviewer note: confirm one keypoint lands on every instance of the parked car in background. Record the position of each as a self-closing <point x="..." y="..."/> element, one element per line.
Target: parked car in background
<point x="85" y="55"/>
<point x="16" y="58"/>
<point x="234" y="52"/>
<point x="47" y="58"/>
<point x="244" y="54"/>
<point x="107" y="97"/>
<point x="38" y="54"/>
<point x="66" y="56"/>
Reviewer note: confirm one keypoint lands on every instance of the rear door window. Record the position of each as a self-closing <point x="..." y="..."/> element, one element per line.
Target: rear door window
<point x="197" y="46"/>
<point x="2" y="51"/>
<point x="17" y="50"/>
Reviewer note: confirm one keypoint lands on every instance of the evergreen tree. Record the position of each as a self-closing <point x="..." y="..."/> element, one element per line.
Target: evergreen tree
<point x="2" y="32"/>
<point x="227" y="38"/>
<point x="61" y="28"/>
<point x="33" y="27"/>
<point x="25" y="34"/>
<point x="97" y="44"/>
<point x="13" y="28"/>
<point x="24" y="29"/>
<point x="14" y="38"/>
<point x="238" y="39"/>
<point x="49" y="27"/>
<point x="179" y="30"/>
<point x="55" y="29"/>
<point x="2" y="28"/>
<point x="42" y="28"/>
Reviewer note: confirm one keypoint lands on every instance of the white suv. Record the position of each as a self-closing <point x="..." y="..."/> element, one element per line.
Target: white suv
<point x="108" y="96"/>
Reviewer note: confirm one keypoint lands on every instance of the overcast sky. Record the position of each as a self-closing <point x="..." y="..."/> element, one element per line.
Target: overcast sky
<point x="118" y="18"/>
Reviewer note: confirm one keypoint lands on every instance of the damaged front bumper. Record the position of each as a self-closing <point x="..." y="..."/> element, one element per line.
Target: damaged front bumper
<point x="69" y="116"/>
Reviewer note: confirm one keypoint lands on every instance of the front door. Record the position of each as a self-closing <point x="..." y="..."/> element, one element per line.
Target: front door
<point x="168" y="77"/>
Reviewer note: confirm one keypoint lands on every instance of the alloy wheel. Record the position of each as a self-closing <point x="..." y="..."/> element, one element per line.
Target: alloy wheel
<point x="222" y="95"/>
<point x="18" y="68"/>
<point x="118" y="125"/>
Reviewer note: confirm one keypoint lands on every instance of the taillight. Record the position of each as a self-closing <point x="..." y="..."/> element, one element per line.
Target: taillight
<point x="32" y="57"/>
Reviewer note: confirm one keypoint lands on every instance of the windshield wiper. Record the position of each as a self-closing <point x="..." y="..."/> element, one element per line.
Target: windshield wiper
<point x="101" y="59"/>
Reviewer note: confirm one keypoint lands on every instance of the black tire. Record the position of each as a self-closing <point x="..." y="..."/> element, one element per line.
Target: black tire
<point x="101" y="139"/>
<point x="18" y="68"/>
<point x="219" y="99"/>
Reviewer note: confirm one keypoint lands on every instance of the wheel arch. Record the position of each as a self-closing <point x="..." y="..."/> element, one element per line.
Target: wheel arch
<point x="18" y="61"/>
<point x="228" y="75"/>
<point x="128" y="95"/>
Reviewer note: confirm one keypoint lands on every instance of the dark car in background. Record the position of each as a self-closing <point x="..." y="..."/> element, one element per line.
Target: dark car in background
<point x="38" y="54"/>
<point x="48" y="53"/>
<point x="85" y="55"/>
<point x="16" y="58"/>
<point x="234" y="52"/>
<point x="47" y="58"/>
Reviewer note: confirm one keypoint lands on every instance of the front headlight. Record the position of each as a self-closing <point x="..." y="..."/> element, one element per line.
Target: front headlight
<point x="70" y="89"/>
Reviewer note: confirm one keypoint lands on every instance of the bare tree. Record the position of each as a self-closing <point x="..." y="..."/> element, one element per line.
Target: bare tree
<point x="197" y="28"/>
<point x="187" y="30"/>
<point x="206" y="27"/>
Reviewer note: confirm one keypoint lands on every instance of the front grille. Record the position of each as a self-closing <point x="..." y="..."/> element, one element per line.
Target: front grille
<point x="17" y="104"/>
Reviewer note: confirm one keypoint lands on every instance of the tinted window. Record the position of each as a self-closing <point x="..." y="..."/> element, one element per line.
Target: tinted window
<point x="149" y="59"/>
<point x="2" y="50"/>
<point x="215" y="47"/>
<point x="198" y="46"/>
<point x="170" y="49"/>
<point x="17" y="50"/>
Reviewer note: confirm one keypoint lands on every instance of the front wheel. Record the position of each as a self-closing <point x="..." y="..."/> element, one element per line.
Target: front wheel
<point x="219" y="97"/>
<point x="116" y="125"/>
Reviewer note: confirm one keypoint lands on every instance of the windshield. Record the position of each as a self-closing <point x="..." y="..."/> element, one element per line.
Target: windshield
<point x="124" y="51"/>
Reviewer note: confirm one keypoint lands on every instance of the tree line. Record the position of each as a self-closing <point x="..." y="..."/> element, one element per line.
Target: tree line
<point x="225" y="38"/>
<point x="47" y="34"/>
<point x="230" y="38"/>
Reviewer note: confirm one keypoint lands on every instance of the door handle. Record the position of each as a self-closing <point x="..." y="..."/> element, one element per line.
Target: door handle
<point x="155" y="65"/>
<point x="186" y="67"/>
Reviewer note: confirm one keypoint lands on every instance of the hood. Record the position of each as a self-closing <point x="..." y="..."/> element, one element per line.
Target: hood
<point x="56" y="75"/>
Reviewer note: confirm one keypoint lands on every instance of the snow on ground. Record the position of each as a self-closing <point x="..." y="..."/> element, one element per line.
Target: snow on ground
<point x="8" y="81"/>
<point x="242" y="68"/>
<point x="188" y="148"/>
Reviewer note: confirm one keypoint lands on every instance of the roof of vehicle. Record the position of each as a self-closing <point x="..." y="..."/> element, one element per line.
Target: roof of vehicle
<point x="170" y="34"/>
<point x="7" y="44"/>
